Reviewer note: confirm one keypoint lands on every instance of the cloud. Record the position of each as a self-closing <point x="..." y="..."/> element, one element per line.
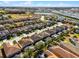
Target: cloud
<point x="15" y="3"/>
<point x="38" y="4"/>
<point x="27" y="3"/>
<point x="64" y="4"/>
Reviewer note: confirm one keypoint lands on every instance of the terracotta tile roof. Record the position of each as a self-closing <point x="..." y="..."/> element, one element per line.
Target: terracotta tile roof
<point x="10" y="49"/>
<point x="50" y="31"/>
<point x="50" y="54"/>
<point x="35" y="37"/>
<point x="44" y="34"/>
<point x="70" y="47"/>
<point x="25" y="41"/>
<point x="60" y="52"/>
<point x="1" y="54"/>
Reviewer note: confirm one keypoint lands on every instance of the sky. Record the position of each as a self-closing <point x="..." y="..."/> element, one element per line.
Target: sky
<point x="39" y="3"/>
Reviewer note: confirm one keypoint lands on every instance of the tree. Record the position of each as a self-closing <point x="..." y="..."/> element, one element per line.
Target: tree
<point x="14" y="42"/>
<point x="9" y="16"/>
<point x="12" y="26"/>
<point x="29" y="52"/>
<point x="57" y="39"/>
<point x="72" y="41"/>
<point x="19" y="33"/>
<point x="64" y="33"/>
<point x="48" y="41"/>
<point x="54" y="42"/>
<point x="1" y="38"/>
<point x="40" y="45"/>
<point x="9" y="36"/>
<point x="62" y="38"/>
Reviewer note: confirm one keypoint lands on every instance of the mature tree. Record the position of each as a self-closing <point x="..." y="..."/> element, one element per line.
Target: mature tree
<point x="9" y="36"/>
<point x="48" y="41"/>
<point x="72" y="41"/>
<point x="40" y="45"/>
<point x="19" y="33"/>
<point x="29" y="52"/>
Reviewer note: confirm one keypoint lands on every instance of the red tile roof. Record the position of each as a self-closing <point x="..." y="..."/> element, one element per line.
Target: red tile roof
<point x="25" y="41"/>
<point x="10" y="49"/>
<point x="60" y="52"/>
<point x="71" y="48"/>
<point x="50" y="54"/>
